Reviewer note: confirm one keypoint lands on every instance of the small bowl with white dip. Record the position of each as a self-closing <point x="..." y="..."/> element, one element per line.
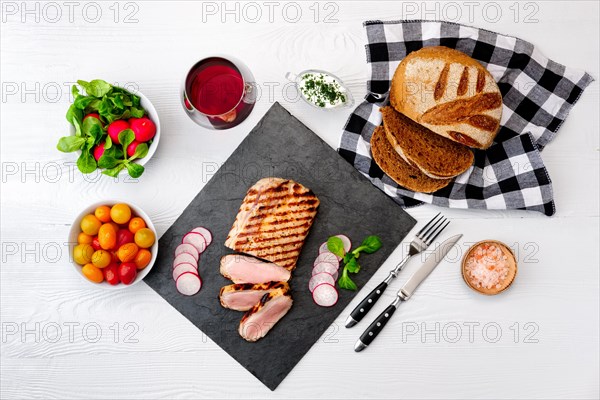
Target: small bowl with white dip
<point x="321" y="89"/>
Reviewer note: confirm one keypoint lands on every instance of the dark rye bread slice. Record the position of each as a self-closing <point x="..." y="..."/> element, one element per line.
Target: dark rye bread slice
<point x="436" y="156"/>
<point x="396" y="168"/>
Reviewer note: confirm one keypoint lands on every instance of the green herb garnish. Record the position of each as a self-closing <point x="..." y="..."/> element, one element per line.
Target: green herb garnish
<point x="335" y="245"/>
<point x="320" y="92"/>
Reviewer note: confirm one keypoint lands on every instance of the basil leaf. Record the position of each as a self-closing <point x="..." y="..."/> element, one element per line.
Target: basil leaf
<point x="126" y="136"/>
<point x="135" y="170"/>
<point x="141" y="151"/>
<point x="114" y="171"/>
<point x="353" y="266"/>
<point x="107" y="161"/>
<point x="96" y="88"/>
<point x="336" y="246"/>
<point x="136" y="112"/>
<point x="108" y="143"/>
<point x="74" y="114"/>
<point x="86" y="162"/>
<point x="344" y="282"/>
<point x="68" y="144"/>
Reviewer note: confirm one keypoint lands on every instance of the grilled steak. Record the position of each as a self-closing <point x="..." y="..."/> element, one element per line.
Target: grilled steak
<point x="257" y="322"/>
<point x="273" y="221"/>
<point x="245" y="269"/>
<point x="242" y="297"/>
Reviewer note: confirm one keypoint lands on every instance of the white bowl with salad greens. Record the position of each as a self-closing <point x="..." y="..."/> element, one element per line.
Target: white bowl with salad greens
<point x="113" y="129"/>
<point x="321" y="89"/>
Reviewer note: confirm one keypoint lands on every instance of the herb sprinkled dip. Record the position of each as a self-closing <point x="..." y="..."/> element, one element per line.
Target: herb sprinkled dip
<point x="322" y="90"/>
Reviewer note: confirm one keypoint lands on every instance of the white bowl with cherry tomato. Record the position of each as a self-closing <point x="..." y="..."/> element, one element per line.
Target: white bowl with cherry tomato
<point x="145" y="130"/>
<point x="113" y="244"/>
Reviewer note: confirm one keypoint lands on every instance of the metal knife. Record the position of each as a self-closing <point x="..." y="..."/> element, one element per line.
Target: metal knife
<point x="406" y="292"/>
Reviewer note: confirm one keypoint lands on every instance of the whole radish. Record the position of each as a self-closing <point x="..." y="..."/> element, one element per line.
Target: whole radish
<point x="98" y="151"/>
<point x="92" y="115"/>
<point x="115" y="128"/>
<point x="143" y="128"/>
<point x="132" y="147"/>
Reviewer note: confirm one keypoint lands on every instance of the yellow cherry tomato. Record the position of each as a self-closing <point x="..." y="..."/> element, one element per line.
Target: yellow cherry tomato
<point x="82" y="253"/>
<point x="136" y="224"/>
<point x="127" y="252"/>
<point x="142" y="258"/>
<point x="90" y="225"/>
<point x="82" y="238"/>
<point x="120" y="213"/>
<point x="103" y="213"/>
<point x="107" y="236"/>
<point x="101" y="258"/>
<point x="144" y="238"/>
<point x="93" y="273"/>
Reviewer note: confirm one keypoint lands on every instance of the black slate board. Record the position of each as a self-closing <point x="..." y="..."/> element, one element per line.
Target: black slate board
<point x="280" y="146"/>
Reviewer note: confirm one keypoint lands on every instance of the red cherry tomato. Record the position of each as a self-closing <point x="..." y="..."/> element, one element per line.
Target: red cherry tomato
<point x="111" y="274"/>
<point x="144" y="129"/>
<point x="124" y="236"/>
<point x="127" y="272"/>
<point x="96" y="243"/>
<point x="115" y="128"/>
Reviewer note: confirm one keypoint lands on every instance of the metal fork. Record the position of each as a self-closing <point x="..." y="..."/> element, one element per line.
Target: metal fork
<point x="422" y="240"/>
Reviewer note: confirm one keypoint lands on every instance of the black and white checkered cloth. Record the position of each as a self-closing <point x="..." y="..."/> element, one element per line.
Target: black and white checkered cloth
<point x="538" y="94"/>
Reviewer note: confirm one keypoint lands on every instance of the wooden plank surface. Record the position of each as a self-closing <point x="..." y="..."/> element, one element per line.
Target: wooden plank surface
<point x="158" y="353"/>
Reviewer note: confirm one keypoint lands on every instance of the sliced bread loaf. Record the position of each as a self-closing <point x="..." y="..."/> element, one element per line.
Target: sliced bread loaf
<point x="396" y="168"/>
<point x="450" y="93"/>
<point x="435" y="155"/>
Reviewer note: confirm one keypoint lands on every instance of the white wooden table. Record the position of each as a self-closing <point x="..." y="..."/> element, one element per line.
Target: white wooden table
<point x="61" y="338"/>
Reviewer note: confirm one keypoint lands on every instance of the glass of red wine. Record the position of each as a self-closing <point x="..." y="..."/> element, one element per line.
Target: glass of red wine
<point x="219" y="92"/>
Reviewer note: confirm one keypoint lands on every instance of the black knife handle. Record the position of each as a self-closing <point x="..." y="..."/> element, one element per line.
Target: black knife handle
<point x="365" y="306"/>
<point x="375" y="328"/>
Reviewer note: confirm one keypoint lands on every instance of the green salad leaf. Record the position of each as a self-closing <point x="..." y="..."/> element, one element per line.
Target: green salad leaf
<point x="68" y="144"/>
<point x="350" y="260"/>
<point x="336" y="246"/>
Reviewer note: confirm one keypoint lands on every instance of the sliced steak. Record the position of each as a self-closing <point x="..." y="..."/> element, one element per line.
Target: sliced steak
<point x="244" y="296"/>
<point x="257" y="322"/>
<point x="245" y="269"/>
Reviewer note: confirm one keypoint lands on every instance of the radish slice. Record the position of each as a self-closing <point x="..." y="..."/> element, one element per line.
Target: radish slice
<point x="323" y="250"/>
<point x="346" y="241"/>
<point x="327" y="257"/>
<point x="326" y="267"/>
<point x="204" y="232"/>
<point x="185" y="258"/>
<point x="188" y="249"/>
<point x="182" y="269"/>
<point x="321" y="277"/>
<point x="188" y="283"/>
<point x="196" y="240"/>
<point x="325" y="295"/>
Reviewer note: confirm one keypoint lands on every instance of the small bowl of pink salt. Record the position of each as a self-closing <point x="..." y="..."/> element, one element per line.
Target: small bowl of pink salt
<point x="489" y="267"/>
